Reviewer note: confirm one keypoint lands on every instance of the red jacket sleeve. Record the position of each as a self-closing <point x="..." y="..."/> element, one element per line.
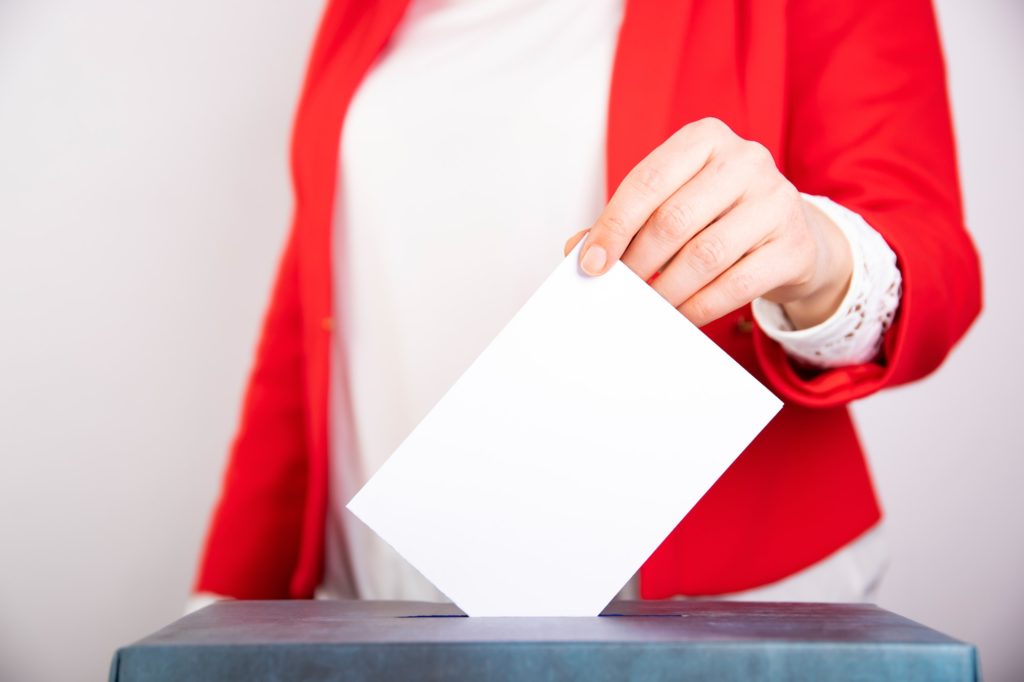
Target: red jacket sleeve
<point x="869" y="127"/>
<point x="253" y="541"/>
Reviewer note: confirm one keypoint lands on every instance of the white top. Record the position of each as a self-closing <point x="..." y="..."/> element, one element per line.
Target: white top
<point x="472" y="150"/>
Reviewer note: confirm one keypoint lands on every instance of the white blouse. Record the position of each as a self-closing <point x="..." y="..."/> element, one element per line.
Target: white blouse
<point x="472" y="150"/>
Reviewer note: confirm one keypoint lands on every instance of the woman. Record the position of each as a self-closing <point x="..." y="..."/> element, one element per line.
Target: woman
<point x="782" y="172"/>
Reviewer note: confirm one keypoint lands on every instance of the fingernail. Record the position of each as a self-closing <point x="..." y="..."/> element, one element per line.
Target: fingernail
<point x="593" y="260"/>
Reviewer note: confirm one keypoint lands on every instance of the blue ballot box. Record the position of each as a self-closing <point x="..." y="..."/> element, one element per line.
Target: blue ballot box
<point x="668" y="640"/>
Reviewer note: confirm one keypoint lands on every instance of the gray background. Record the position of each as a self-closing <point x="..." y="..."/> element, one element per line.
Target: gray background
<point x="143" y="199"/>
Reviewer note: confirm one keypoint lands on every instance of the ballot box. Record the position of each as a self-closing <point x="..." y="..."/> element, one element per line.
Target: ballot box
<point x="666" y="640"/>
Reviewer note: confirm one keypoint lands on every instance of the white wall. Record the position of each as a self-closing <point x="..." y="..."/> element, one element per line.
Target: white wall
<point x="143" y="198"/>
<point x="947" y="452"/>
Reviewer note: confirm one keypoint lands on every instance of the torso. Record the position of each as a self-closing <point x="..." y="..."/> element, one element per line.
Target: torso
<point x="473" y="149"/>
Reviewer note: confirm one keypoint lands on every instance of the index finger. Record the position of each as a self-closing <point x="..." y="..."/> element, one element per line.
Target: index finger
<point x="645" y="188"/>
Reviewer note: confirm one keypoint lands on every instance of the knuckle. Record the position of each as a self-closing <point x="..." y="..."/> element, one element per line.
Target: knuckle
<point x="671" y="222"/>
<point x="698" y="310"/>
<point x="759" y="154"/>
<point x="647" y="178"/>
<point x="712" y="125"/>
<point x="615" y="225"/>
<point x="741" y="286"/>
<point x="720" y="165"/>
<point x="790" y="210"/>
<point x="791" y="195"/>
<point x="707" y="254"/>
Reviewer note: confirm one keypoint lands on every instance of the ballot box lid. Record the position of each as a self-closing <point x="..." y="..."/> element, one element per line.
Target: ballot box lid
<point x="648" y="640"/>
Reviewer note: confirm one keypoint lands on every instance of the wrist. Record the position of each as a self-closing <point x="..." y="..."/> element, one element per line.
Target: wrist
<point x="833" y="277"/>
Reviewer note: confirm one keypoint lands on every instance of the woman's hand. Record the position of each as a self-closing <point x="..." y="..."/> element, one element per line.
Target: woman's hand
<point x="713" y="217"/>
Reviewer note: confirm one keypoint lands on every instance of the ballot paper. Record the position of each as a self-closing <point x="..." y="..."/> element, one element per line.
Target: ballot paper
<point x="565" y="454"/>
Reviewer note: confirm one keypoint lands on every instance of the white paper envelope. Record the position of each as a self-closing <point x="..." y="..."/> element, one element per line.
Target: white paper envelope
<point x="567" y="452"/>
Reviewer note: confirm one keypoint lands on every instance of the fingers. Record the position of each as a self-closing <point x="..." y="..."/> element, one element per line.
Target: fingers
<point x="711" y="252"/>
<point x="646" y="187"/>
<point x="698" y="203"/>
<point x="753" y="276"/>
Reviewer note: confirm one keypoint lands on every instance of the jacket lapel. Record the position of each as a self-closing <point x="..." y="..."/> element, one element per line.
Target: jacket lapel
<point x="351" y="36"/>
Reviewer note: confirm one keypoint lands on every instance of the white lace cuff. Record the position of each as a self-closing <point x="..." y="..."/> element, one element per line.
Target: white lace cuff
<point x="853" y="333"/>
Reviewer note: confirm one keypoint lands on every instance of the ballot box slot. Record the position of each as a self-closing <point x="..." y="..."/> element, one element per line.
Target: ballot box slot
<point x="603" y="615"/>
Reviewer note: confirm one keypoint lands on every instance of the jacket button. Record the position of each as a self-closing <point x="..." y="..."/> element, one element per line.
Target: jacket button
<point x="327" y="324"/>
<point x="743" y="325"/>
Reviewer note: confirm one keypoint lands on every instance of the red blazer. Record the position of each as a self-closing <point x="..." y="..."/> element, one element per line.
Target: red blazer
<point x="850" y="98"/>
